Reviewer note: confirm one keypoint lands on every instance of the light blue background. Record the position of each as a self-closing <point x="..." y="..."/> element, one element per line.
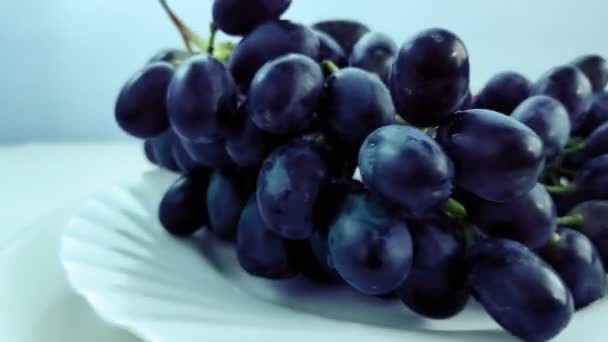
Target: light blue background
<point x="63" y="61"/>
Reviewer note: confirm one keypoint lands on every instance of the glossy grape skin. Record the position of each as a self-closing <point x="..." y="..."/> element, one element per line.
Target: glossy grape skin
<point x="549" y="119"/>
<point x="345" y="32"/>
<point x="202" y="100"/>
<point x="519" y="290"/>
<point x="357" y="103"/>
<point x="591" y="181"/>
<point x="406" y="168"/>
<point x="140" y="107"/>
<point x="430" y="77"/>
<point x="239" y="17"/>
<point x="162" y="146"/>
<point x="169" y="56"/>
<point x="183" y="209"/>
<point x="226" y="198"/>
<point x="566" y="84"/>
<point x="287" y="189"/>
<point x="183" y="160"/>
<point x="267" y="42"/>
<point x="370" y="247"/>
<point x="149" y="151"/>
<point x="594" y="116"/>
<point x="330" y="50"/>
<point x="211" y="155"/>
<point x="250" y="145"/>
<point x="436" y="285"/>
<point x="579" y="265"/>
<point x="503" y="92"/>
<point x="495" y="156"/>
<point x="374" y="52"/>
<point x="528" y="219"/>
<point x="285" y="94"/>
<point x="595" y="68"/>
<point x="595" y="225"/>
<point x="260" y="252"/>
<point x="596" y="145"/>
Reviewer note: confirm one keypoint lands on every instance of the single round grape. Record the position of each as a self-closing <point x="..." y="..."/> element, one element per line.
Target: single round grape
<point x="330" y="50"/>
<point x="226" y="198"/>
<point x="430" y="77"/>
<point x="287" y="189"/>
<point x="566" y="84"/>
<point x="528" y="219"/>
<point x="595" y="225"/>
<point x="267" y="42"/>
<point x="140" y="108"/>
<point x="184" y="161"/>
<point x="183" y="209"/>
<point x="260" y="252"/>
<point x="162" y="146"/>
<point x="549" y="119"/>
<point x="169" y="56"/>
<point x="519" y="290"/>
<point x="495" y="156"/>
<point x="239" y="17"/>
<point x="406" y="168"/>
<point x="591" y="180"/>
<point x="202" y="100"/>
<point x="595" y="68"/>
<point x="249" y="146"/>
<point x="374" y="52"/>
<point x="357" y="103"/>
<point x="149" y="151"/>
<point x="594" y="116"/>
<point x="211" y="155"/>
<point x="370" y="247"/>
<point x="285" y="94"/>
<point x="579" y="265"/>
<point x="345" y="32"/>
<point x="503" y="92"/>
<point x="436" y="285"/>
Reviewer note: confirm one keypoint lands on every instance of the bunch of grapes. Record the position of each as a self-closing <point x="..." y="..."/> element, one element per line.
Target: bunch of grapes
<point x="331" y="152"/>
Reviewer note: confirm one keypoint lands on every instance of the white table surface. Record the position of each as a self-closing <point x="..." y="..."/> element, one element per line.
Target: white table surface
<point x="41" y="185"/>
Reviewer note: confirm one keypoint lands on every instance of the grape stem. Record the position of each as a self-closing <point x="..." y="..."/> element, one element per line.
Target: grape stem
<point x="554" y="239"/>
<point x="575" y="220"/>
<point x="455" y="208"/>
<point x="469" y="235"/>
<point x="330" y="66"/>
<point x="560" y="189"/>
<point x="575" y="147"/>
<point x="189" y="37"/>
<point x="213" y="30"/>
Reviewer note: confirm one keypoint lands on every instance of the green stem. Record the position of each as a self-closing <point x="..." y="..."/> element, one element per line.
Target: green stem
<point x="560" y="189"/>
<point x="213" y="30"/>
<point x="455" y="208"/>
<point x="575" y="220"/>
<point x="189" y="37"/>
<point x="574" y="148"/>
<point x="554" y="239"/>
<point x="330" y="66"/>
<point x="469" y="234"/>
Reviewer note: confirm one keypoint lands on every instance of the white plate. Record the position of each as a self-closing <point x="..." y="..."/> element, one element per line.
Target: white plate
<point x="135" y="275"/>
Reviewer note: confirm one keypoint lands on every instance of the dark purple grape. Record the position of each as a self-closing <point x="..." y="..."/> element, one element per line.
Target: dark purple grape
<point x="140" y="108"/>
<point x="183" y="209"/>
<point x="345" y="32"/>
<point x="467" y="103"/>
<point x="239" y="17"/>
<point x="267" y="42"/>
<point x="226" y="198"/>
<point x="169" y="56"/>
<point x="285" y="94"/>
<point x="577" y="262"/>
<point x="436" y="285"/>
<point x="406" y="168"/>
<point x="596" y="145"/>
<point x="594" y="116"/>
<point x="260" y="252"/>
<point x="503" y="92"/>
<point x="595" y="225"/>
<point x="202" y="100"/>
<point x="163" y="150"/>
<point x="184" y="161"/>
<point x="357" y="103"/>
<point x="549" y="119"/>
<point x="591" y="181"/>
<point x="374" y="52"/>
<point x="528" y="219"/>
<point x="288" y="186"/>
<point x="430" y="78"/>
<point x="330" y="50"/>
<point x="370" y="247"/>
<point x="566" y="84"/>
<point x="211" y="155"/>
<point x="249" y="146"/>
<point x="595" y="68"/>
<point x="149" y="151"/>
<point x="519" y="290"/>
<point x="495" y="156"/>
